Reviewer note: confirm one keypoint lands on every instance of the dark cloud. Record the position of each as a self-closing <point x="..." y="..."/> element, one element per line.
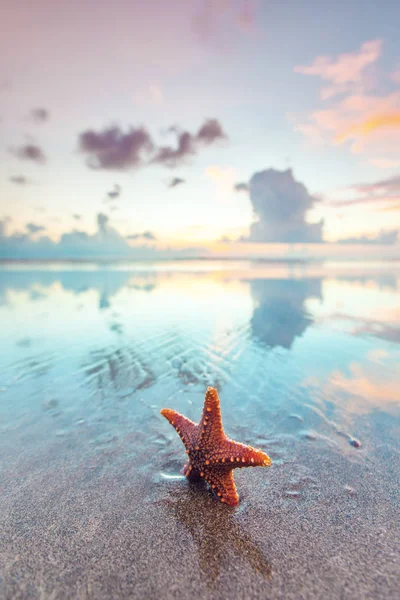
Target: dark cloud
<point x="280" y="205"/>
<point x="147" y="235"/>
<point x="40" y="115"/>
<point x="114" y="193"/>
<point x="19" y="180"/>
<point x="77" y="217"/>
<point x="114" y="149"/>
<point x="210" y="131"/>
<point x="241" y="187"/>
<point x="33" y="228"/>
<point x="30" y="152"/>
<point x="171" y="157"/>
<point x="175" y="181"/>
<point x="189" y="144"/>
<point x="383" y="237"/>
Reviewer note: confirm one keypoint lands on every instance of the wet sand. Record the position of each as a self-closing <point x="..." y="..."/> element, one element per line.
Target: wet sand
<point x="119" y="522"/>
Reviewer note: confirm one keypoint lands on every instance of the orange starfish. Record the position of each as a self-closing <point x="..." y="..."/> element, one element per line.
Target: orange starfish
<point x="212" y="455"/>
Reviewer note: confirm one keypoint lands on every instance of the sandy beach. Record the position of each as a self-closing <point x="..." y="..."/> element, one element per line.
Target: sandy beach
<point x="92" y="502"/>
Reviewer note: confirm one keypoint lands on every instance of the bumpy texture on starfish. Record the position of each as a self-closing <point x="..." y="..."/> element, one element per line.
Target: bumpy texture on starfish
<point x="212" y="455"/>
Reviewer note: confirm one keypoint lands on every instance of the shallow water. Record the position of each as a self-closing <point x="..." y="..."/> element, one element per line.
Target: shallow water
<point x="306" y="360"/>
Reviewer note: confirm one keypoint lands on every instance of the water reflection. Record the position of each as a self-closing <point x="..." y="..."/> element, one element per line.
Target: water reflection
<point x="280" y="314"/>
<point x="180" y="330"/>
<point x="106" y="282"/>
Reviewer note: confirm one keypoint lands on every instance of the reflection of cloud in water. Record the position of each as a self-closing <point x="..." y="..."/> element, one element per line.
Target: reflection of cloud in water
<point x="364" y="389"/>
<point x="107" y="282"/>
<point x="379" y="330"/>
<point x="369" y="307"/>
<point x="382" y="281"/>
<point x="280" y="315"/>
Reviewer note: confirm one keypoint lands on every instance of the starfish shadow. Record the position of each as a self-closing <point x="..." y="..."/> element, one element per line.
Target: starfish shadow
<point x="219" y="537"/>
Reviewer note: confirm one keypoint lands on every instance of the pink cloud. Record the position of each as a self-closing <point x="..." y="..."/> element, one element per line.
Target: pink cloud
<point x="365" y="118"/>
<point x="347" y="69"/>
<point x="382" y="191"/>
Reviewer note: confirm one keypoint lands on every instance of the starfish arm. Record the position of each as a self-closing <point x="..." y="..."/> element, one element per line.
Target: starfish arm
<point x="240" y="455"/>
<point x="223" y="485"/>
<point x="186" y="429"/>
<point x="210" y="426"/>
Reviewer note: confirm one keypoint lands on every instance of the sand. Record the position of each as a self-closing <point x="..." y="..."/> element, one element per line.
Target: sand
<point x="119" y="522"/>
<point x="92" y="503"/>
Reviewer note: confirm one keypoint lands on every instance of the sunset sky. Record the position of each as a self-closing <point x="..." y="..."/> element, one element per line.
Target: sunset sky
<point x="150" y="119"/>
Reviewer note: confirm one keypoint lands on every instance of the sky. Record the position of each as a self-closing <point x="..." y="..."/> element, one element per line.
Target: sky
<point x="224" y="125"/>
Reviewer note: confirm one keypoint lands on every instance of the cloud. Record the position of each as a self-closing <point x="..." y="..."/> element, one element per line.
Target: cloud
<point x="210" y="131"/>
<point x="147" y="235"/>
<point x="391" y="121"/>
<point x="114" y="193"/>
<point x="357" y="105"/>
<point x="102" y="221"/>
<point x="383" y="186"/>
<point x="241" y="187"/>
<point x="33" y="228"/>
<point x="30" y="152"/>
<point x="381" y="191"/>
<point x="114" y="149"/>
<point x="106" y="242"/>
<point x="188" y="144"/>
<point x="175" y="181"/>
<point x="19" y="180"/>
<point x="348" y="69"/>
<point x="77" y="217"/>
<point x="39" y="115"/>
<point x="172" y="157"/>
<point x="280" y="204"/>
<point x="383" y="238"/>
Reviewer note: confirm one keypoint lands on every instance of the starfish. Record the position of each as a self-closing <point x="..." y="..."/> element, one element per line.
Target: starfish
<point x="212" y="455"/>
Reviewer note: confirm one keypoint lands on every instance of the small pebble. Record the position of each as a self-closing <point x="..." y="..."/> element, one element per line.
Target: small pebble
<point x="355" y="443"/>
<point x="310" y="436"/>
